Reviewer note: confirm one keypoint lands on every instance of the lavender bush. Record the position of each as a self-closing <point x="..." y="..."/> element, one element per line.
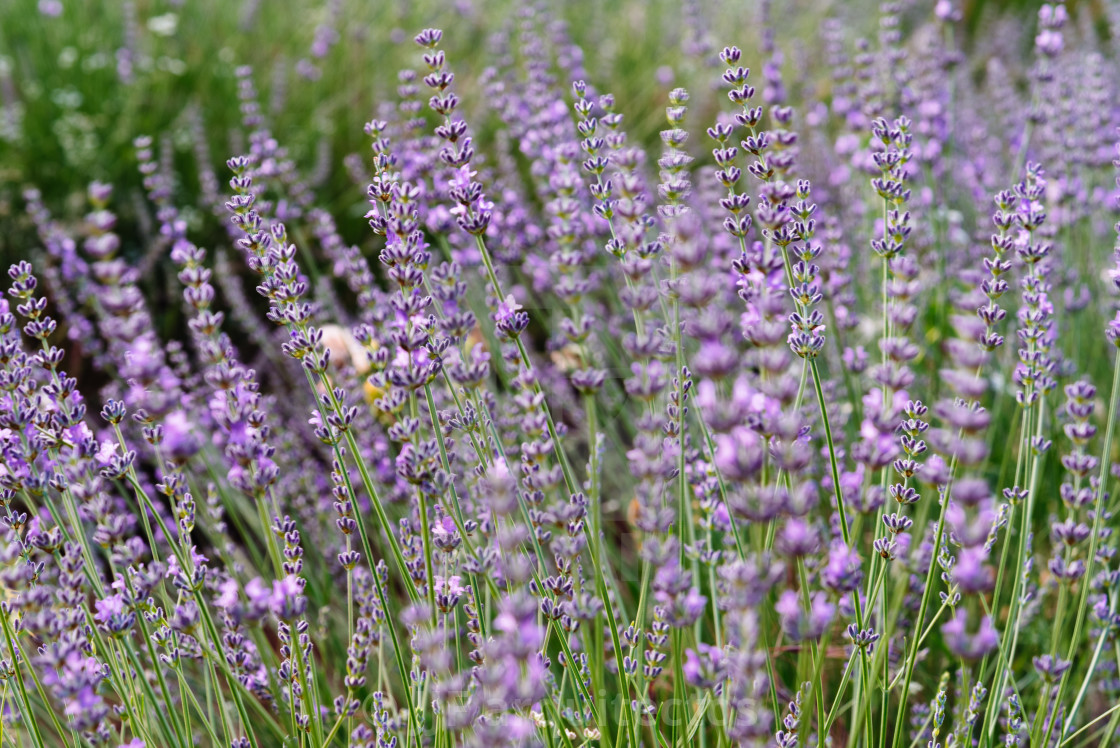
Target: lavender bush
<point x="794" y="427"/>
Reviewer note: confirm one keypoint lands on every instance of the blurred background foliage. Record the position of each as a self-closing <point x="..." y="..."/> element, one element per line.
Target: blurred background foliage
<point x="79" y="80"/>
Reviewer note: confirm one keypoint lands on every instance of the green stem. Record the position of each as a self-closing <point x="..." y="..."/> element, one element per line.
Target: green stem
<point x="1098" y="521"/>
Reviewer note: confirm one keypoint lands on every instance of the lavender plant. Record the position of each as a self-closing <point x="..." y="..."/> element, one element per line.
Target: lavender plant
<point x="568" y="428"/>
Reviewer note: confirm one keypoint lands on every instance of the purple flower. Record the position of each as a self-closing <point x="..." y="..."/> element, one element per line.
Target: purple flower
<point x="113" y="605"/>
<point x="703" y="669"/>
<point x="287" y="601"/>
<point x="969" y="645"/>
<point x="800" y="624"/>
<point x="260" y="597"/>
<point x="972" y="572"/>
<point x="524" y="627"/>
<point x="180" y="438"/>
<point x="842" y="572"/>
<point x="798" y="538"/>
<point x="739" y="454"/>
<point x="445" y="535"/>
<point x="228" y="594"/>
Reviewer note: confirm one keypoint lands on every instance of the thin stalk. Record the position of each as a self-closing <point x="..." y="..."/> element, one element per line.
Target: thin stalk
<point x="1101" y="641"/>
<point x="844" y="530"/>
<point x="1098" y="520"/>
<point x="926" y="594"/>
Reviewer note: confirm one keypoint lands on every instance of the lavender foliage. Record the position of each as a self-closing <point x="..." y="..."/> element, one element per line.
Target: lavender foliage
<point x="788" y="420"/>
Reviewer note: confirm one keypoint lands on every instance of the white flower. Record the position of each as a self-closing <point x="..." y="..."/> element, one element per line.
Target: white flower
<point x="164" y="25"/>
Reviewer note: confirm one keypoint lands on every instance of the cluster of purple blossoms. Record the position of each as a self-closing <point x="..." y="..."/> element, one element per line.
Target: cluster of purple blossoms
<point x="600" y="434"/>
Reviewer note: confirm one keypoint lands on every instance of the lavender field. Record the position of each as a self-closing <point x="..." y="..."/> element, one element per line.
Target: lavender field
<point x="559" y="374"/>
